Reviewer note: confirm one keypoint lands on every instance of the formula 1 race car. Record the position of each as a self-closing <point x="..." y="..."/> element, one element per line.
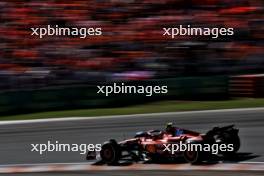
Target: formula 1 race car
<point x="155" y="145"/>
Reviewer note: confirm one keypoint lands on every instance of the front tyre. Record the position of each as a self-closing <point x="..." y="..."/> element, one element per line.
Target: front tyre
<point x="110" y="152"/>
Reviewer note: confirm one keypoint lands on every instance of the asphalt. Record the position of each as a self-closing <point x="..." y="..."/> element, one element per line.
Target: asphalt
<point x="16" y="139"/>
<point x="146" y="173"/>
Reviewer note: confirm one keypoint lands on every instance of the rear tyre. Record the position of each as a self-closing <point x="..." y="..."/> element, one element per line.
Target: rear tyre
<point x="193" y="157"/>
<point x="110" y="152"/>
<point x="231" y="139"/>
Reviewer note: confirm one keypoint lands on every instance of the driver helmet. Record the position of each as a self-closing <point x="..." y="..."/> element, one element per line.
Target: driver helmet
<point x="169" y="126"/>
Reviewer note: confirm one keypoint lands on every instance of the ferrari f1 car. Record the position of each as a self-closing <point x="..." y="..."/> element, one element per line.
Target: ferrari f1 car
<point x="155" y="145"/>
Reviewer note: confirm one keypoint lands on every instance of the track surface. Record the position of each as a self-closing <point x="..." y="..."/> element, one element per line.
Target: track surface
<point x="144" y="173"/>
<point x="16" y="139"/>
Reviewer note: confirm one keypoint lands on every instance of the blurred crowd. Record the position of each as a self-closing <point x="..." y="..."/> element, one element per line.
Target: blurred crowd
<point x="132" y="46"/>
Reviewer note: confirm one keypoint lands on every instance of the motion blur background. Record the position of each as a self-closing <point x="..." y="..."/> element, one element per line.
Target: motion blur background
<point x="58" y="72"/>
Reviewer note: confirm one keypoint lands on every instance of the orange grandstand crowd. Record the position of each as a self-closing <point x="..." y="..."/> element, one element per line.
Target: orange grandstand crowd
<point x="132" y="46"/>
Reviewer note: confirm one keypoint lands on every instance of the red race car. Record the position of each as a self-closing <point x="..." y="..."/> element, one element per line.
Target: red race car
<point x="172" y="143"/>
